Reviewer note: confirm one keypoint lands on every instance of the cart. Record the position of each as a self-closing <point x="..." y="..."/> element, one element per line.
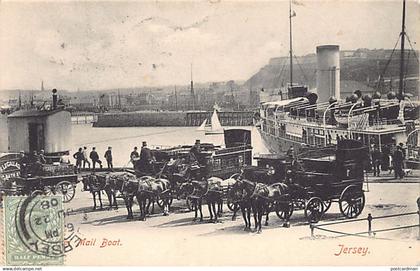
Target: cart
<point x="327" y="175"/>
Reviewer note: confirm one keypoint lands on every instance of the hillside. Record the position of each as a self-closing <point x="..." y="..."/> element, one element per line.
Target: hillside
<point x="360" y="69"/>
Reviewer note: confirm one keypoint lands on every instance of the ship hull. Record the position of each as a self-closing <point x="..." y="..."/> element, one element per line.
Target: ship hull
<point x="277" y="144"/>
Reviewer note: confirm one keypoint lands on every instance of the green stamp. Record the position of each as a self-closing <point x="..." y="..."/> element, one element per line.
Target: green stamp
<point x="34" y="230"/>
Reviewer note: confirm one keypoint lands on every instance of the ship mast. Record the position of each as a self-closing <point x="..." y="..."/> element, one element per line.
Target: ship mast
<point x="401" y="85"/>
<point x="291" y="43"/>
<point x="192" y="89"/>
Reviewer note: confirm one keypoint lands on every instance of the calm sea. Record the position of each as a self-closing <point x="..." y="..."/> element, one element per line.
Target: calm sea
<point x="123" y="140"/>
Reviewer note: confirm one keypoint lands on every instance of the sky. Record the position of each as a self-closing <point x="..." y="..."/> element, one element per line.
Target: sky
<point x="101" y="45"/>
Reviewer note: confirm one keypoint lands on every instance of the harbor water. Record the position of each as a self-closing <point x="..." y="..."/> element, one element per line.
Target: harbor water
<point x="123" y="140"/>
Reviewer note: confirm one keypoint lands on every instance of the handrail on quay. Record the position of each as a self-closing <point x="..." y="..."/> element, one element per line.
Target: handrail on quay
<point x="371" y="233"/>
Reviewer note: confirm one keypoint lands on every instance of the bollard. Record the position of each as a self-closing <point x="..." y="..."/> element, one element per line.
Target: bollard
<point x="369" y="219"/>
<point x="418" y="213"/>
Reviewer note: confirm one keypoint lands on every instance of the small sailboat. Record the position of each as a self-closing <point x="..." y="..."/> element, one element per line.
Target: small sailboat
<point x="203" y="125"/>
<point x="215" y="126"/>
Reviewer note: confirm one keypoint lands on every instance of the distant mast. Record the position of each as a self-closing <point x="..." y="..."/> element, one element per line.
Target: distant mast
<point x="401" y="85"/>
<point x="192" y="90"/>
<point x="291" y="43"/>
<point x="42" y="85"/>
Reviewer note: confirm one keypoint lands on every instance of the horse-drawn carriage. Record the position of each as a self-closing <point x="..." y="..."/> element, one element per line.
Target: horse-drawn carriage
<point x="54" y="178"/>
<point x="320" y="177"/>
<point x="311" y="182"/>
<point x="176" y="164"/>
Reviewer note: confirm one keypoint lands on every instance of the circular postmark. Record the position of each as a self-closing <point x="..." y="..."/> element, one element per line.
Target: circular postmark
<point x="39" y="223"/>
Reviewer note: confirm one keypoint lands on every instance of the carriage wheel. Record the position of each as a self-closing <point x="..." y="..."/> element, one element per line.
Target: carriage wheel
<point x="352" y="201"/>
<point x="66" y="189"/>
<point x="189" y="205"/>
<point x="327" y="205"/>
<point x="284" y="210"/>
<point x="37" y="193"/>
<point x="232" y="206"/>
<point x="314" y="210"/>
<point x="49" y="190"/>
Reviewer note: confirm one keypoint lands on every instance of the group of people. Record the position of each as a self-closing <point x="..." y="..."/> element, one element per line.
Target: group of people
<point x="390" y="157"/>
<point x="91" y="160"/>
<point x="143" y="160"/>
<point x="31" y="163"/>
<point x="82" y="158"/>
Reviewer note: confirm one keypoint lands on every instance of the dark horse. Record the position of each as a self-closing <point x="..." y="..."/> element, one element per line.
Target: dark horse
<point x="241" y="198"/>
<point x="145" y="189"/>
<point x="261" y="198"/>
<point x="95" y="184"/>
<point x="208" y="189"/>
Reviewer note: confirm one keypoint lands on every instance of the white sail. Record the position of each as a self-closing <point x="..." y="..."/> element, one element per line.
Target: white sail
<point x="202" y="126"/>
<point x="215" y="123"/>
<point x="216" y="127"/>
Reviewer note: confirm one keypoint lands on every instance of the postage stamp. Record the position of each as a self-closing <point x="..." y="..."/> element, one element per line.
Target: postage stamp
<point x="34" y="230"/>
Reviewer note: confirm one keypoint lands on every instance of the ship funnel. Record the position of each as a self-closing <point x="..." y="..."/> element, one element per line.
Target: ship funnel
<point x="328" y="72"/>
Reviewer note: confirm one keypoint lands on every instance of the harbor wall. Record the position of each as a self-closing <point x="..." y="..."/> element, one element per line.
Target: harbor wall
<point x="171" y="118"/>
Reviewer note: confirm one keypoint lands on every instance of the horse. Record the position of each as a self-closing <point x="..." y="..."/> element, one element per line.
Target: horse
<point x="241" y="198"/>
<point x="263" y="198"/>
<point x="145" y="189"/>
<point x="153" y="189"/>
<point x="95" y="184"/>
<point x="209" y="189"/>
<point x="125" y="183"/>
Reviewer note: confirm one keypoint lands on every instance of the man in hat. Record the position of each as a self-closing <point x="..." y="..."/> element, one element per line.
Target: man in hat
<point x="94" y="156"/>
<point x="195" y="151"/>
<point x="23" y="162"/>
<point x="376" y="160"/>
<point x="398" y="160"/>
<point x="146" y="158"/>
<point x="85" y="158"/>
<point x="108" y="158"/>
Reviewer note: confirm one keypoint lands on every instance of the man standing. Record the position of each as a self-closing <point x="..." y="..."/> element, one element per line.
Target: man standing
<point x="85" y="158"/>
<point x="79" y="158"/>
<point x="95" y="158"/>
<point x="134" y="156"/>
<point x="398" y="159"/>
<point x="108" y="158"/>
<point x="376" y="161"/>
<point x="146" y="158"/>
<point x="23" y="162"/>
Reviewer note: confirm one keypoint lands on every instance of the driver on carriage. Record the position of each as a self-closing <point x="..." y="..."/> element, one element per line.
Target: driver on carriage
<point x="196" y="163"/>
<point x="145" y="163"/>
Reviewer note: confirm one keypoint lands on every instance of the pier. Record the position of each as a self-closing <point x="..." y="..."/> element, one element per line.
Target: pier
<point x="171" y="118"/>
<point x="229" y="118"/>
<point x="83" y="118"/>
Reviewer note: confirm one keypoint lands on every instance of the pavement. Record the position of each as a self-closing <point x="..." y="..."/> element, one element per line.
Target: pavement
<point x="412" y="176"/>
<point x="177" y="240"/>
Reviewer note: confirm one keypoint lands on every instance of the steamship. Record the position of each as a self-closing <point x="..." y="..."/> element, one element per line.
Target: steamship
<point x="323" y="118"/>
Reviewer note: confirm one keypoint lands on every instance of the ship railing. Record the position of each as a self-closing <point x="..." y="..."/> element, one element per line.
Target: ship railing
<point x="299" y="119"/>
<point x="380" y="124"/>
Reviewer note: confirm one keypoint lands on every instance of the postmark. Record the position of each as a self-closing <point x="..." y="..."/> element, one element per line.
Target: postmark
<point x="34" y="230"/>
